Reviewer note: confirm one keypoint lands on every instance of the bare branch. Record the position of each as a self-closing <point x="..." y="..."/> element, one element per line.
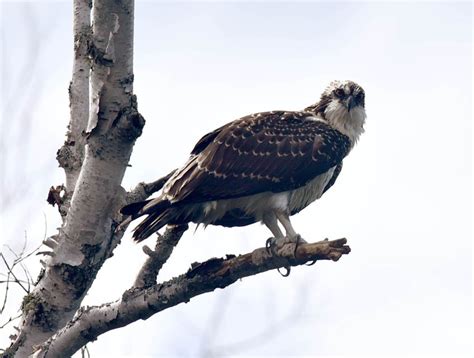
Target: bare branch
<point x="10" y="269"/>
<point x="144" y="190"/>
<point x="85" y="352"/>
<point x="153" y="187"/>
<point x="10" y="320"/>
<point x="22" y="257"/>
<point x="24" y="283"/>
<point x="141" y="303"/>
<point x="157" y="258"/>
<point x="7" y="287"/>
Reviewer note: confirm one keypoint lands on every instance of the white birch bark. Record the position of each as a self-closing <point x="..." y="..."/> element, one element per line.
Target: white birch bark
<point x="71" y="154"/>
<point x="87" y="236"/>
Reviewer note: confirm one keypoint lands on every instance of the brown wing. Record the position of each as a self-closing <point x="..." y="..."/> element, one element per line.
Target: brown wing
<point x="270" y="151"/>
<point x="207" y="139"/>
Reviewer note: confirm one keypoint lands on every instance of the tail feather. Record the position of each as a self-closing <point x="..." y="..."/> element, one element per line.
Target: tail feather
<point x="140" y="208"/>
<point x="134" y="208"/>
<point x="152" y="224"/>
<point x="159" y="213"/>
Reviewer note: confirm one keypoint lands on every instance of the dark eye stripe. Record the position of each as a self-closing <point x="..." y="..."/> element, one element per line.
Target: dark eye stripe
<point x="339" y="92"/>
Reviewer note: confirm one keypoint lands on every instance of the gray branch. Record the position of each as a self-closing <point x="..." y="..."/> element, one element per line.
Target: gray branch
<point x="142" y="303"/>
<point x="144" y="190"/>
<point x="158" y="257"/>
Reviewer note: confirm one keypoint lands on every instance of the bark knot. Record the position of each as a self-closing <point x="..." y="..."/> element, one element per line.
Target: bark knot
<point x="98" y="55"/>
<point x="208" y="267"/>
<point x="129" y="122"/>
<point x="44" y="315"/>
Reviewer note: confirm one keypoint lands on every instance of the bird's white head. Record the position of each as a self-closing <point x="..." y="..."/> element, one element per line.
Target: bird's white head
<point x="342" y="105"/>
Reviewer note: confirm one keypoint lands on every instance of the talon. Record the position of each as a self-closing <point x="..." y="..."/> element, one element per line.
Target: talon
<point x="299" y="240"/>
<point x="287" y="273"/>
<point x="311" y="263"/>
<point x="269" y="245"/>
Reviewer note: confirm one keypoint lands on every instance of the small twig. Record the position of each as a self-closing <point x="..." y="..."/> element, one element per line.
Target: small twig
<point x="10" y="270"/>
<point x="18" y="260"/>
<point x="5" y="296"/>
<point x="26" y="273"/>
<point x="85" y="352"/>
<point x="21" y="256"/>
<point x="10" y="320"/>
<point x="12" y="281"/>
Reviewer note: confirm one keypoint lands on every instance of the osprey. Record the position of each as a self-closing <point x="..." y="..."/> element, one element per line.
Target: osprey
<point x="262" y="167"/>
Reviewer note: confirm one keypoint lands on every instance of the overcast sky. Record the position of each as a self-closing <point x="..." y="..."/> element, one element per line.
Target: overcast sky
<point x="403" y="200"/>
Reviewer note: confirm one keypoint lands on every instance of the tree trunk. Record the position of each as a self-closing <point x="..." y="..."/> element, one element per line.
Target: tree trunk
<point x="87" y="237"/>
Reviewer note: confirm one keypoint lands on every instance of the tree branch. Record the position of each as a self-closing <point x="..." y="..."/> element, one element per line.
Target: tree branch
<point x="157" y="258"/>
<point x="144" y="190"/>
<point x="141" y="303"/>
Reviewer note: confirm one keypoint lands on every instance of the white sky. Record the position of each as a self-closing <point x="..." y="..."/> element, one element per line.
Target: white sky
<point x="404" y="198"/>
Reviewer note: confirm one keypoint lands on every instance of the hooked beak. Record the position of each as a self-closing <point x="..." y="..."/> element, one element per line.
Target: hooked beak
<point x="350" y="103"/>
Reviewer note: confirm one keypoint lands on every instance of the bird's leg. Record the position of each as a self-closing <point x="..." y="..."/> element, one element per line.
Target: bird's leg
<point x="271" y="222"/>
<point x="291" y="235"/>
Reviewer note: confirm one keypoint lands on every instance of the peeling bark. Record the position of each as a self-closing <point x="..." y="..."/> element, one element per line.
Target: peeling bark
<point x="141" y="303"/>
<point x="71" y="155"/>
<point x="88" y="236"/>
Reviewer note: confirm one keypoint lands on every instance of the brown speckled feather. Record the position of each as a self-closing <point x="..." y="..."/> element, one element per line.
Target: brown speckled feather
<point x="271" y="151"/>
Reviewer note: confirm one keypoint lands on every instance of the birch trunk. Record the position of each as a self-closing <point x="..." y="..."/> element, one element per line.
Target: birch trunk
<point x="71" y="155"/>
<point x="87" y="237"/>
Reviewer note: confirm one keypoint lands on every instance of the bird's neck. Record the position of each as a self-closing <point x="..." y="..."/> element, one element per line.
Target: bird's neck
<point x="350" y="123"/>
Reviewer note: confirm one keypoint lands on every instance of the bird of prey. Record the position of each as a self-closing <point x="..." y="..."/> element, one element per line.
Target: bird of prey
<point x="262" y="167"/>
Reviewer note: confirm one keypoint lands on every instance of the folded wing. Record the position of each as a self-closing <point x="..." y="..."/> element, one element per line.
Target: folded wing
<point x="270" y="151"/>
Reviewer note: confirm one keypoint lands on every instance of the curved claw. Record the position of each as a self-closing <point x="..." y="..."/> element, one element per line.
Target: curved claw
<point x="311" y="263"/>
<point x="269" y="245"/>
<point x="287" y="273"/>
<point x="299" y="240"/>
